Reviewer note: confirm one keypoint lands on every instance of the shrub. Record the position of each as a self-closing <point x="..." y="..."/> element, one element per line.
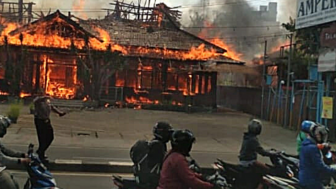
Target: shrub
<point x="14" y="111"/>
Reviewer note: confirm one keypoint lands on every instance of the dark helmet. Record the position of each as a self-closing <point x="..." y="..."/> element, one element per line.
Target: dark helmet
<point x="307" y="125"/>
<point x="319" y="133"/>
<point x="162" y="131"/>
<point x="255" y="127"/>
<point x="182" y="141"/>
<point x="5" y="122"/>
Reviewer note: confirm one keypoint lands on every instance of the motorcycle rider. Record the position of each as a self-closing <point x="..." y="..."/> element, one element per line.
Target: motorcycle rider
<point x="248" y="155"/>
<point x="147" y="170"/>
<point x="312" y="168"/>
<point x="162" y="132"/>
<point x="175" y="172"/>
<point x="8" y="157"/>
<point x="305" y="129"/>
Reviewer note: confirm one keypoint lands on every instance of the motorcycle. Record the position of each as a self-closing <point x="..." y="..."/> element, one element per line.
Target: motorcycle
<point x="241" y="177"/>
<point x="132" y="183"/>
<point x="284" y="166"/>
<point x="39" y="176"/>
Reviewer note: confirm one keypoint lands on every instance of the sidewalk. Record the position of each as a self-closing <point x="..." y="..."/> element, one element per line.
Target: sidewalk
<point x="104" y="137"/>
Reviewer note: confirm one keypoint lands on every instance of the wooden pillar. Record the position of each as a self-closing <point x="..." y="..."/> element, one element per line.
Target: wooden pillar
<point x="30" y="12"/>
<point x="37" y="75"/>
<point x="206" y="84"/>
<point x="213" y="91"/>
<point x="200" y="83"/>
<point x="164" y="75"/>
<point x="193" y="82"/>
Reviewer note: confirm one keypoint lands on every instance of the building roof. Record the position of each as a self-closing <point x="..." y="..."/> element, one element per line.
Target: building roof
<point x="162" y="42"/>
<point x="139" y="34"/>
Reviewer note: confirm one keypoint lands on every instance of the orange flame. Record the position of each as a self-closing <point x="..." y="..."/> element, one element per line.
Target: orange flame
<point x="39" y="36"/>
<point x="177" y="103"/>
<point x="278" y="46"/>
<point x="22" y="94"/>
<point x="79" y="7"/>
<point x="55" y="88"/>
<point x="230" y="52"/>
<point x="4" y="93"/>
<point x="86" y="98"/>
<point x="42" y="37"/>
<point x="141" y="100"/>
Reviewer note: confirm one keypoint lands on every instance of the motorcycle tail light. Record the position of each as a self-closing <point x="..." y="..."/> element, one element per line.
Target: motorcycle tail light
<point x="218" y="166"/>
<point x="120" y="185"/>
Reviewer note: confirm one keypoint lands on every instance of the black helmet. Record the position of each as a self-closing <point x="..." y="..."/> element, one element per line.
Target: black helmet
<point x="162" y="131"/>
<point x="5" y="122"/>
<point x="182" y="141"/>
<point x="319" y="133"/>
<point x="255" y="127"/>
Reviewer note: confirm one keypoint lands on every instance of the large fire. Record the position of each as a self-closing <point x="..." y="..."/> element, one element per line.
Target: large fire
<point x="58" y="33"/>
<point x="54" y="78"/>
<point x="51" y="34"/>
<point x="230" y="52"/>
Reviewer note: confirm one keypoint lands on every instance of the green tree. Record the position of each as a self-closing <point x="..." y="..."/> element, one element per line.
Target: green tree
<point x="306" y="48"/>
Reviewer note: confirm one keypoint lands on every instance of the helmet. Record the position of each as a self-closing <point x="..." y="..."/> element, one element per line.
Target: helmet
<point x="254" y="127"/>
<point x="182" y="141"/>
<point x="5" y="122"/>
<point x="307" y="125"/>
<point x="162" y="131"/>
<point x="319" y="133"/>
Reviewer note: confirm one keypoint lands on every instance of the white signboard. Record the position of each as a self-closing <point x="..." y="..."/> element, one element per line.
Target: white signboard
<point x="327" y="61"/>
<point x="315" y="12"/>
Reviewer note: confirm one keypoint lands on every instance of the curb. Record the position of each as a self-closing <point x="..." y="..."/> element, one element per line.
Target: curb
<point x="60" y="165"/>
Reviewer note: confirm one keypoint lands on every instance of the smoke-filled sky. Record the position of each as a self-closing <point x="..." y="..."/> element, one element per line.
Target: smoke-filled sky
<point x="92" y="8"/>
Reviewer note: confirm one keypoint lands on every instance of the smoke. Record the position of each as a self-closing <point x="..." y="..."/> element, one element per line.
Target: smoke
<point x="81" y="8"/>
<point x="287" y="9"/>
<point x="242" y="27"/>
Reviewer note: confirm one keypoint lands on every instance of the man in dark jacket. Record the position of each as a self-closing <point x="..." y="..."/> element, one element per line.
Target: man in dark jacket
<point x="45" y="132"/>
<point x="175" y="172"/>
<point x="248" y="154"/>
<point x="312" y="168"/>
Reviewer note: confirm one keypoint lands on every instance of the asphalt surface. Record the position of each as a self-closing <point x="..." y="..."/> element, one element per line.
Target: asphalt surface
<point x="75" y="180"/>
<point x="102" y="155"/>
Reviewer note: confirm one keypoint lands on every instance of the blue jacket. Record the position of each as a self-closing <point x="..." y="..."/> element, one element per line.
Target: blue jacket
<point x="312" y="166"/>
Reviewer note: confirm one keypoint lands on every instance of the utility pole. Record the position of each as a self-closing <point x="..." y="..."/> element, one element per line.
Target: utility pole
<point x="288" y="78"/>
<point x="263" y="83"/>
<point x="20" y="11"/>
<point x="205" y="3"/>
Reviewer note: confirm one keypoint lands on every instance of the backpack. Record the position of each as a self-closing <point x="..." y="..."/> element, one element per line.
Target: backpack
<point x="146" y="168"/>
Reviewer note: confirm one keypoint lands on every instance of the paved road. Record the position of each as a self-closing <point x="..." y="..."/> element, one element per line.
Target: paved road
<point x="108" y="134"/>
<point x="75" y="180"/>
<point x="101" y="155"/>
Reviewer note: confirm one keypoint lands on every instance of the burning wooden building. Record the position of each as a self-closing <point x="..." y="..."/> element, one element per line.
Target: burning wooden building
<point x="161" y="62"/>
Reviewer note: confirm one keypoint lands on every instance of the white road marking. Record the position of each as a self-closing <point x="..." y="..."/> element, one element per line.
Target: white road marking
<point x="79" y="174"/>
<point x="68" y="161"/>
<point x="120" y="163"/>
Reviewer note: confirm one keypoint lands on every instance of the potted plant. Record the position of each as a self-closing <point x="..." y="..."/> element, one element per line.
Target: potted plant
<point x="14" y="111"/>
<point x="32" y="108"/>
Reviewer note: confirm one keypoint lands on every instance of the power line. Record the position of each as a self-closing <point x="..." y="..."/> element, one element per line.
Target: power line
<point x="221" y="4"/>
<point x="230" y="27"/>
<point x="254" y="36"/>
